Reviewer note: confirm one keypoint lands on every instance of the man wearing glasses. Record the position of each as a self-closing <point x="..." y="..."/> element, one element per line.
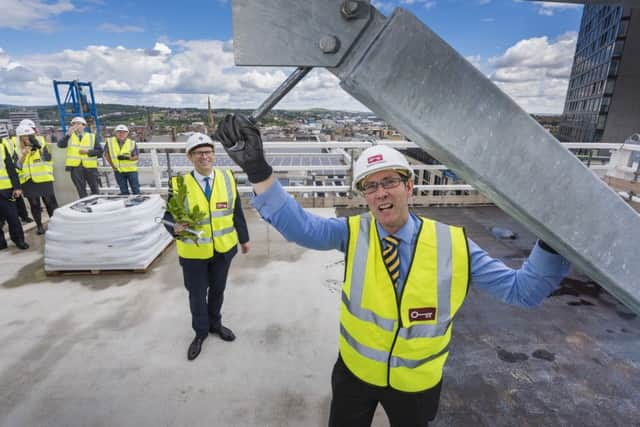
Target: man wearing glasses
<point x="205" y="261"/>
<point x="405" y="279"/>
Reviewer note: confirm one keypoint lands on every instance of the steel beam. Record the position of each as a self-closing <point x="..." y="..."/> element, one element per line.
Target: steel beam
<point x="409" y="76"/>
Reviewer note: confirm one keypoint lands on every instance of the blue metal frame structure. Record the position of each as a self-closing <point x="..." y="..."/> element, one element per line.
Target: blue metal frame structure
<point x="76" y="103"/>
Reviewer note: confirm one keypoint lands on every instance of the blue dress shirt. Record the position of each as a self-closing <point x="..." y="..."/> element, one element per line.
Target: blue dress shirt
<point x="540" y="274"/>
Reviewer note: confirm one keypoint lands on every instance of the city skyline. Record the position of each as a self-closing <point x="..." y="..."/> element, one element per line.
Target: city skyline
<point x="169" y="55"/>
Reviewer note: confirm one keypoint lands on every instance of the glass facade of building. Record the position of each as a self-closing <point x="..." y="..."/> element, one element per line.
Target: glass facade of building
<point x="603" y="31"/>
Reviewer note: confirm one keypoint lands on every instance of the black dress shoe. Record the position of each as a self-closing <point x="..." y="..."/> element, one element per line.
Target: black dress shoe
<point x="195" y="347"/>
<point x="224" y="333"/>
<point x="3" y="245"/>
<point x="40" y="229"/>
<point x="22" y="245"/>
<point x="26" y="220"/>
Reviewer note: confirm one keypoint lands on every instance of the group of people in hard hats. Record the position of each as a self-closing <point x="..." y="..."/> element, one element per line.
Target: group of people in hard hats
<point x="26" y="171"/>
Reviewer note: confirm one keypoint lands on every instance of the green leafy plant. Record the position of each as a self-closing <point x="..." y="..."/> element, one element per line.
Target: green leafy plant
<point x="176" y="207"/>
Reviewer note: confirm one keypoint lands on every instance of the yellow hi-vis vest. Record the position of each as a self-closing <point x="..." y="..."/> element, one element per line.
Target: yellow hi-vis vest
<point x="401" y="342"/>
<point x="5" y="181"/>
<point x="219" y="232"/>
<point x="115" y="150"/>
<point x="74" y="158"/>
<point x="35" y="168"/>
<point x="11" y="144"/>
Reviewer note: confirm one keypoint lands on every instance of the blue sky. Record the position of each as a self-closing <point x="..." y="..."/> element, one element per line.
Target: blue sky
<point x="178" y="53"/>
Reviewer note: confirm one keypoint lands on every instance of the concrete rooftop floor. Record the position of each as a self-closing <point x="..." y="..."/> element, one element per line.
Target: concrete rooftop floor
<point x="110" y="350"/>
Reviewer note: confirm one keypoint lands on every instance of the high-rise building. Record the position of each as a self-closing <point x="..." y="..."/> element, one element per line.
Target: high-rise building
<point x="603" y="97"/>
<point x="17" y="116"/>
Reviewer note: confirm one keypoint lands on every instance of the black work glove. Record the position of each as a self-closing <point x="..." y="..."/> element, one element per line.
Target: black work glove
<point x="546" y="247"/>
<point x="35" y="144"/>
<point x="241" y="140"/>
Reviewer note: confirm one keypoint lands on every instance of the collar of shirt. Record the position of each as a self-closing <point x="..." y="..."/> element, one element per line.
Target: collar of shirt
<point x="200" y="179"/>
<point x="406" y="233"/>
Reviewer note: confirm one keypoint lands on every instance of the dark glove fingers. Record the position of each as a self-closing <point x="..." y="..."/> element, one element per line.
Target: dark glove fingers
<point x="225" y="133"/>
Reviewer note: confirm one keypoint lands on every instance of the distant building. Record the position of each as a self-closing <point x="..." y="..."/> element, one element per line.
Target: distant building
<point x="602" y="102"/>
<point x="4" y="130"/>
<point x="17" y="116"/>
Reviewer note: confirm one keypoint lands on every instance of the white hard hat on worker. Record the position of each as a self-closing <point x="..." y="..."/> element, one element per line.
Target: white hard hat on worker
<point x="27" y="123"/>
<point x="121" y="128"/>
<point x="24" y="131"/>
<point x="378" y="158"/>
<point x="78" y="120"/>
<point x="196" y="140"/>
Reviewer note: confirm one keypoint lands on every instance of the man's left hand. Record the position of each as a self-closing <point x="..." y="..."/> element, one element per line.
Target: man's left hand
<point x="17" y="193"/>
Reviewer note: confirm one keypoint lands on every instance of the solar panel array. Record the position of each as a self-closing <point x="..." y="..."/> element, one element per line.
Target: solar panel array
<point x="278" y="161"/>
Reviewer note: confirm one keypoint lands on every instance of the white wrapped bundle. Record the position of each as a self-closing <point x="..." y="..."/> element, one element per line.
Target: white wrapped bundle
<point x="106" y="233"/>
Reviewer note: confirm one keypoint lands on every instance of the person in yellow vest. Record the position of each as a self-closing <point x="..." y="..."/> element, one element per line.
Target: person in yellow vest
<point x="12" y="146"/>
<point x="205" y="265"/>
<point x="83" y="151"/>
<point x="36" y="173"/>
<point x="10" y="191"/>
<point x="122" y="154"/>
<point x="406" y="277"/>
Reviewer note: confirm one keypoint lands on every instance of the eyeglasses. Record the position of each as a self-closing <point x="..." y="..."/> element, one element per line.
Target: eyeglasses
<point x="371" y="187"/>
<point x="202" y="153"/>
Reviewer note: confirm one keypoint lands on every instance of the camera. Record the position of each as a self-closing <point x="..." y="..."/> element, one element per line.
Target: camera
<point x="35" y="144"/>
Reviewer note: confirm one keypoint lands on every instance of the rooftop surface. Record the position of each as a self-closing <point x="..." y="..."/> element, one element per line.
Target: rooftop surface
<point x="110" y="349"/>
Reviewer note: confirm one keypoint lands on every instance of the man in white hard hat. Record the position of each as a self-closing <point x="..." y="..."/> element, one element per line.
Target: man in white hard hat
<point x="122" y="154"/>
<point x="205" y="265"/>
<point x="83" y="151"/>
<point x="395" y="321"/>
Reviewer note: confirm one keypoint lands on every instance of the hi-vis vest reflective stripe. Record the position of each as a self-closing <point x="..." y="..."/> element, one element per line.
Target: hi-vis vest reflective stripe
<point x="74" y="158"/>
<point x="5" y="181"/>
<point x="35" y="168"/>
<point x="401" y="342"/>
<point x="219" y="232"/>
<point x="115" y="150"/>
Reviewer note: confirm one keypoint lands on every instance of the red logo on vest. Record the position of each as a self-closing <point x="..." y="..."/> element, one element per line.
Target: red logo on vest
<point x="221" y="205"/>
<point x="424" y="313"/>
<point x="375" y="158"/>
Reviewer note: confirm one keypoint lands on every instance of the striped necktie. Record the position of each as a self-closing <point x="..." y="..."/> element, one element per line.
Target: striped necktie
<point x="391" y="258"/>
<point x="207" y="187"/>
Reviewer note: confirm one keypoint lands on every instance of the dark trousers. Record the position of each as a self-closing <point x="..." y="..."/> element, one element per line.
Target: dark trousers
<point x="126" y="179"/>
<point x="82" y="176"/>
<point x="354" y="402"/>
<point x="22" y="208"/>
<point x="50" y="203"/>
<point x="206" y="280"/>
<point x="9" y="213"/>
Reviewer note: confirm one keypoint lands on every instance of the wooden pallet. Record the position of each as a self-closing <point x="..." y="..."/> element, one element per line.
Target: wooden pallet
<point x="55" y="273"/>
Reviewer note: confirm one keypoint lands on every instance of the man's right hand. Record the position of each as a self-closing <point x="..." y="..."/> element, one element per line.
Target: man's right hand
<point x="242" y="142"/>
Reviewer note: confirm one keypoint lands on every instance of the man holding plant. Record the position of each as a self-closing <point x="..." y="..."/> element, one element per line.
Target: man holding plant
<point x="206" y="200"/>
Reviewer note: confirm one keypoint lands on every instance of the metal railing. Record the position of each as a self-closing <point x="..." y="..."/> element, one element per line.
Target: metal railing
<point x="163" y="157"/>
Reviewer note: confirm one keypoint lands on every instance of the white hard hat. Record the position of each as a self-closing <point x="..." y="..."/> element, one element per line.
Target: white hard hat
<point x="24" y="130"/>
<point x="122" y="128"/>
<point x="196" y="140"/>
<point x="79" y="119"/>
<point x="27" y="123"/>
<point x="377" y="158"/>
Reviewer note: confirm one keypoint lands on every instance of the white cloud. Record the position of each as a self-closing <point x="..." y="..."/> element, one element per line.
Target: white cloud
<point x="31" y="14"/>
<point x="549" y="8"/>
<point x="175" y="74"/>
<point x="535" y="72"/>
<point x="116" y="28"/>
